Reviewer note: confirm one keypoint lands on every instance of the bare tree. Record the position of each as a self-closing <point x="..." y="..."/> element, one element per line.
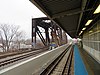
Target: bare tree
<point x="7" y="34"/>
<point x="2" y="42"/>
<point x="20" y="36"/>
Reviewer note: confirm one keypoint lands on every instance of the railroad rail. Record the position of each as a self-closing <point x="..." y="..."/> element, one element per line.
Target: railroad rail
<point x="22" y="51"/>
<point x="62" y="65"/>
<point x="8" y="61"/>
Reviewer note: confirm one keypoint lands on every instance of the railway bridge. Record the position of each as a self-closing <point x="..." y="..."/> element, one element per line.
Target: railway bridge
<point x="79" y="19"/>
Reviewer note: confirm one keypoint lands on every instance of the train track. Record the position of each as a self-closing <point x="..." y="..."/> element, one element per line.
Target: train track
<point x="14" y="59"/>
<point x="62" y="65"/>
<point x="22" y="51"/>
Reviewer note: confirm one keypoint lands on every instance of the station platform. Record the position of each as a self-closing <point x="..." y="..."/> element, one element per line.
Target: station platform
<point x="89" y="63"/>
<point x="79" y="66"/>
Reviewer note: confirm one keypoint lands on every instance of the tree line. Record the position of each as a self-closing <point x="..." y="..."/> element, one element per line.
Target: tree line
<point x="10" y="35"/>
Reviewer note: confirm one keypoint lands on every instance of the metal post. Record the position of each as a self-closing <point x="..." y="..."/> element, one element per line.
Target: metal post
<point x="65" y="37"/>
<point x="47" y="36"/>
<point x="33" y="33"/>
<point x="55" y="35"/>
<point x="59" y="31"/>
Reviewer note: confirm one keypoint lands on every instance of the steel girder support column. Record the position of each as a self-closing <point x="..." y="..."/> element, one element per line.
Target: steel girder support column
<point x="55" y="35"/>
<point x="33" y="33"/>
<point x="59" y="31"/>
<point x="65" y="36"/>
<point x="52" y="40"/>
<point x="47" y="36"/>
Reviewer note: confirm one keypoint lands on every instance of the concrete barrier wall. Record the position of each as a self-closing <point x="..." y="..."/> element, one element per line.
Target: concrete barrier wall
<point x="35" y="64"/>
<point x="94" y="53"/>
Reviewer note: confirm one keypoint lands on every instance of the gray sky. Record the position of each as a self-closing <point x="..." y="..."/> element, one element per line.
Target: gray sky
<point x="19" y="12"/>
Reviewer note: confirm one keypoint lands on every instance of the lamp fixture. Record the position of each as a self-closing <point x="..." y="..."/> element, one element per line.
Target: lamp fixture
<point x="97" y="10"/>
<point x="88" y="22"/>
<point x="84" y="28"/>
<point x="80" y="32"/>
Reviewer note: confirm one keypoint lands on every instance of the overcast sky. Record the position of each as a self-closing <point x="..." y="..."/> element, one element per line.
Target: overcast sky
<point x="19" y="12"/>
